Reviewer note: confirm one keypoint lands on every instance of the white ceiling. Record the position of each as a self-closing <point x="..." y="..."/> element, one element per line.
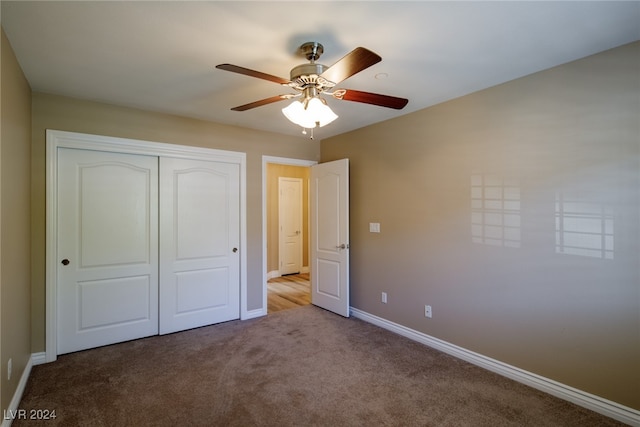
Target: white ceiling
<point x="161" y="56"/>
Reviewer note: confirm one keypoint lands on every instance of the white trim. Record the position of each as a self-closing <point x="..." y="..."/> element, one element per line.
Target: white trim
<point x="281" y="161"/>
<point x="579" y="397"/>
<point x="273" y="274"/>
<point x="60" y="139"/>
<point x="276" y="273"/>
<point x="256" y="313"/>
<point x="38" y="358"/>
<point x="17" y="396"/>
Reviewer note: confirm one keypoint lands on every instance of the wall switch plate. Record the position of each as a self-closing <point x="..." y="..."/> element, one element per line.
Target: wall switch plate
<point x="374" y="227"/>
<point x="427" y="311"/>
<point x="384" y="297"/>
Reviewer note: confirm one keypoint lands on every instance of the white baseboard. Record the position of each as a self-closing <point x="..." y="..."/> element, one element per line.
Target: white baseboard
<point x="38" y="358"/>
<point x="252" y="314"/>
<point x="595" y="403"/>
<point x="17" y="396"/>
<point x="276" y="273"/>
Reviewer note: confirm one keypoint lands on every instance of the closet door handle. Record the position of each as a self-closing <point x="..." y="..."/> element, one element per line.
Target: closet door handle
<point x="65" y="262"/>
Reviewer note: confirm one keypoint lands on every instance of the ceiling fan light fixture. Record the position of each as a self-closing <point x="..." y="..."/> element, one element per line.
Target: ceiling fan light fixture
<point x="315" y="113"/>
<point x="313" y="79"/>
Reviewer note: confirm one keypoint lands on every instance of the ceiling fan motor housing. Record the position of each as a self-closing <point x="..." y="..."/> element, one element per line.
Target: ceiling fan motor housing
<point x="307" y="70"/>
<point x="306" y="75"/>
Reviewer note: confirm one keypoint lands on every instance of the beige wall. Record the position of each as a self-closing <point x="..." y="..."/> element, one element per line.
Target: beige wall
<point x="515" y="213"/>
<point x="275" y="171"/>
<point x="15" y="151"/>
<point x="60" y="113"/>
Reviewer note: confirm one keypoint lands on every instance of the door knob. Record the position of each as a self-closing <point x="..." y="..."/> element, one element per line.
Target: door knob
<point x="342" y="246"/>
<point x="65" y="262"/>
<point x="235" y="250"/>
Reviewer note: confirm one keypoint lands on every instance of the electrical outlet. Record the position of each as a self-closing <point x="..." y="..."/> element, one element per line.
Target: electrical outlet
<point x="384" y="297"/>
<point x="427" y="311"/>
<point x="9" y="369"/>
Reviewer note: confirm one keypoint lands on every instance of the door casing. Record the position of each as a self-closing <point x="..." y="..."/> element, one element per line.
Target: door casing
<point x="62" y="139"/>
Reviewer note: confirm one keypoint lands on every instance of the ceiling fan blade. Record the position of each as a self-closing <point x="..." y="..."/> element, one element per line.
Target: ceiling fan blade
<point x="353" y="62"/>
<point x="252" y="73"/>
<point x="262" y="102"/>
<point x="371" y="98"/>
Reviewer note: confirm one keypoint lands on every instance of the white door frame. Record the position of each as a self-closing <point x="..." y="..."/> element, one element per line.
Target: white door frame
<point x="280" y="161"/>
<point x="61" y="139"/>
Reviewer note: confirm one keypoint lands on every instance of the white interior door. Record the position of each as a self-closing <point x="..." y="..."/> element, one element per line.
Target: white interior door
<point x="200" y="243"/>
<point x="107" y="244"/>
<point x="330" y="236"/>
<point x="290" y="224"/>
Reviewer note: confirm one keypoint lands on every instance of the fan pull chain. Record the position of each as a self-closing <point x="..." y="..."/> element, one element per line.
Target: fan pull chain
<point x="304" y="132"/>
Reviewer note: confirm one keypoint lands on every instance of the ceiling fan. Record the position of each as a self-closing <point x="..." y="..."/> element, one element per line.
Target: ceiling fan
<point x="312" y="79"/>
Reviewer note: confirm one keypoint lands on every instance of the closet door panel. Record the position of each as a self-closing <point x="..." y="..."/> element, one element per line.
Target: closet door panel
<point x="199" y="244"/>
<point x="107" y="243"/>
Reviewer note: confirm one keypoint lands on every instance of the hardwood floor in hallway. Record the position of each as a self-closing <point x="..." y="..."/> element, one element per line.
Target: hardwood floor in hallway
<point x="290" y="291"/>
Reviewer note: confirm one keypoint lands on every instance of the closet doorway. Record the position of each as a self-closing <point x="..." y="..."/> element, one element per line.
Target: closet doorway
<point x="287" y="250"/>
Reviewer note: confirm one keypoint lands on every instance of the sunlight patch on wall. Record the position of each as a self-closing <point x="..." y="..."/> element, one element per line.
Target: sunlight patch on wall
<point x="495" y="210"/>
<point x="583" y="227"/>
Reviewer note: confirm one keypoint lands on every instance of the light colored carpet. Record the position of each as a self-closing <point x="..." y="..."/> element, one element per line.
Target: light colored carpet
<point x="299" y="367"/>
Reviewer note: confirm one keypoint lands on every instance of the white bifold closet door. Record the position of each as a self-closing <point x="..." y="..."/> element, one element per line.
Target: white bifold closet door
<point x="147" y="245"/>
